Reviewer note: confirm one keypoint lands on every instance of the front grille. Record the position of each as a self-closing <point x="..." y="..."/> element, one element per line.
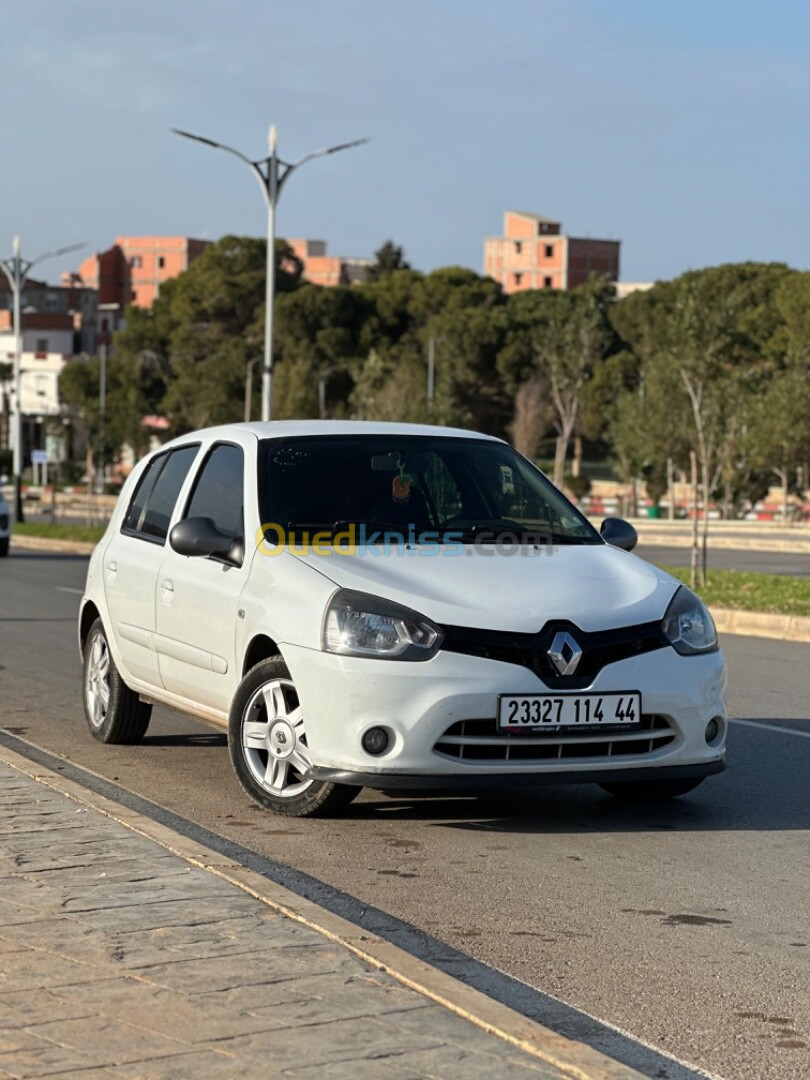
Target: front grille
<point x="481" y="741"/>
<point x="599" y="648"/>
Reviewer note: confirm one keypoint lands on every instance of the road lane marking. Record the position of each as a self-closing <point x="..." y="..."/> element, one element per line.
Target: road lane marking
<point x="770" y="727"/>
<point x="64" y="588"/>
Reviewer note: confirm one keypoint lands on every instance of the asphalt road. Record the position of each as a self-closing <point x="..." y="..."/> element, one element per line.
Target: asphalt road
<point x="685" y="926"/>
<point x="762" y="562"/>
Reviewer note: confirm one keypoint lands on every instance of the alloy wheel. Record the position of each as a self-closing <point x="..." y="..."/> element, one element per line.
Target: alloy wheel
<point x="97" y="681"/>
<point x="274" y="740"/>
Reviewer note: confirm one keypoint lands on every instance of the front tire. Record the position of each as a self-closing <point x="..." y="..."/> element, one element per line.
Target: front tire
<point x="651" y="791"/>
<point x="267" y="743"/>
<point x="115" y="714"/>
<point x="4" y="547"/>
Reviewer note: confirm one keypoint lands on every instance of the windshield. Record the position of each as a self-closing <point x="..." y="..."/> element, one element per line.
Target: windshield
<point x="443" y="488"/>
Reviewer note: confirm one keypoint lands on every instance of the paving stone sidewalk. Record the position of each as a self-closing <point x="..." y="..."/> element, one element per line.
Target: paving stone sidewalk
<point x="118" y="959"/>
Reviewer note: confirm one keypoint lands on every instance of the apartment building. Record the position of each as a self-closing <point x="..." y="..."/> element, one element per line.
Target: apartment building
<point x="329" y="270"/>
<point x="132" y="272"/>
<point x="534" y="253"/>
<point x="48" y="339"/>
<point x="69" y="298"/>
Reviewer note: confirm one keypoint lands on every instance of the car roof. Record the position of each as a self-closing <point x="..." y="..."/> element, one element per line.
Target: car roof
<point x="284" y="429"/>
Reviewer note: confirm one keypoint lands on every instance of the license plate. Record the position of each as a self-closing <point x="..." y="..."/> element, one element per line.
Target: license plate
<point x="553" y="712"/>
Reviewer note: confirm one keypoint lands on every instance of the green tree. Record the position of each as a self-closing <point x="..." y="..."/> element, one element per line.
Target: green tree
<point x="780" y="430"/>
<point x="556" y="340"/>
<point x="463" y="314"/>
<point x="318" y="338"/>
<point x="79" y="388"/>
<point x="707" y="342"/>
<point x="186" y="358"/>
<point x="388" y="258"/>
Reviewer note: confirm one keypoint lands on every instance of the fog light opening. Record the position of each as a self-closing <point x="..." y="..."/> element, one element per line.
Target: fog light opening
<point x="375" y="741"/>
<point x="714" y="730"/>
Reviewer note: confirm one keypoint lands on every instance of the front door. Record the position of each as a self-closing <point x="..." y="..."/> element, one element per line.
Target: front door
<point x="198" y="598"/>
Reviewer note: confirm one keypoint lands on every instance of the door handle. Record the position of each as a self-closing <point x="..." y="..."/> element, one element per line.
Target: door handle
<point x="167" y="586"/>
<point x="112" y="567"/>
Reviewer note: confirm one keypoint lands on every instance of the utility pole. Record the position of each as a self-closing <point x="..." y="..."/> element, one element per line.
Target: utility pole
<point x="102" y="410"/>
<point x="271" y="173"/>
<point x="17" y="270"/>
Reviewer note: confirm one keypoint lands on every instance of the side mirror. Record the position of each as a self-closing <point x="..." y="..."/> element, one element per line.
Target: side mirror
<point x="201" y="538"/>
<point x="619" y="533"/>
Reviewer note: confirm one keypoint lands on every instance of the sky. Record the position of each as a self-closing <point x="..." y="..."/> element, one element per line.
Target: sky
<point x="681" y="129"/>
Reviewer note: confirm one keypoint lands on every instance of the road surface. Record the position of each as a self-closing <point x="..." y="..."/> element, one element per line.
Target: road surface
<point x="762" y="562"/>
<point x="684" y="927"/>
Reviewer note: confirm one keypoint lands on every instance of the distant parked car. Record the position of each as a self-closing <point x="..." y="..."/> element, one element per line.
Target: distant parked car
<point x="393" y="606"/>
<point x="5" y="526"/>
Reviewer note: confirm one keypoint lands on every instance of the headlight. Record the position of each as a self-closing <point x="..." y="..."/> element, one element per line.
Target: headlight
<point x="687" y="625"/>
<point x="357" y="624"/>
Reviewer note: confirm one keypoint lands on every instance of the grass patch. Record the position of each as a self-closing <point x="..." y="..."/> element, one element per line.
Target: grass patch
<point x="90" y="534"/>
<point x="777" y="594"/>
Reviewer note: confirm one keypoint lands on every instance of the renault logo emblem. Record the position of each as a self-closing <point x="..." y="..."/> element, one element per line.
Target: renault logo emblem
<point x="564" y="653"/>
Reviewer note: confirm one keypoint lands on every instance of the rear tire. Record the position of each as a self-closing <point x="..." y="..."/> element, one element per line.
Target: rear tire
<point x="4" y="547"/>
<point x="267" y="744"/>
<point x="641" y="791"/>
<point x="115" y="714"/>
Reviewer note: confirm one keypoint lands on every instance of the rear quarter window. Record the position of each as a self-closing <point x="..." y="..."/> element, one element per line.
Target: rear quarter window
<point x="156" y="495"/>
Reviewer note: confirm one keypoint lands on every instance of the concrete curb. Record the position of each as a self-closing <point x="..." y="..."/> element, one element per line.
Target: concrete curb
<point x="794" y="547"/>
<point x="44" y="543"/>
<point x="572" y="1059"/>
<point x="761" y="624"/>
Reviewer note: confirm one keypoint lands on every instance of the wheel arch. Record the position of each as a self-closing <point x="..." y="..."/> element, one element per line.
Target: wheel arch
<point x="88" y="616"/>
<point x="261" y="647"/>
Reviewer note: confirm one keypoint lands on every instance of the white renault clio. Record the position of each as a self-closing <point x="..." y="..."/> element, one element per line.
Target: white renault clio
<point x="393" y="606"/>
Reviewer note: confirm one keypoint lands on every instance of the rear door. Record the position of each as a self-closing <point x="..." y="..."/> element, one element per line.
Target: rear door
<point x="198" y="598"/>
<point x="133" y="557"/>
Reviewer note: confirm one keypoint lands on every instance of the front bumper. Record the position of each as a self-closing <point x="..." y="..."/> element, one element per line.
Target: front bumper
<point x="341" y="697"/>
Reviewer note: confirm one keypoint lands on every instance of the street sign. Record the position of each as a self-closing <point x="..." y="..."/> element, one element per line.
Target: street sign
<point x="39" y="457"/>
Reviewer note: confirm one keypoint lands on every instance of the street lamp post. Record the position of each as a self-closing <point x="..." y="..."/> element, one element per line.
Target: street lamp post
<point x="249" y="387"/>
<point x="271" y="173"/>
<point x="17" y="270"/>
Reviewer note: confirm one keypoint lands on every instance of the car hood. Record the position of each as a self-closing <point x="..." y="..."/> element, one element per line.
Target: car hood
<point x="597" y="587"/>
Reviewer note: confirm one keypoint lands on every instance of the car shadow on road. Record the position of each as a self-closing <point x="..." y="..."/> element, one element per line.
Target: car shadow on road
<point x="764" y="789"/>
<point x="585" y="810"/>
<point x="211" y="738"/>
